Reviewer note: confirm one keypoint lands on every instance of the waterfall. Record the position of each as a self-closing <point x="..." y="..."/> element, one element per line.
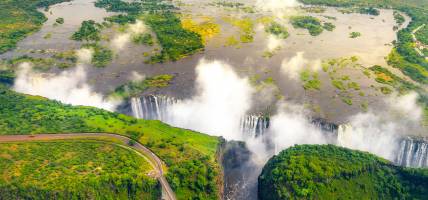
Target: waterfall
<point x="329" y="130"/>
<point x="152" y="107"/>
<point x="413" y="152"/>
<point x="410" y="152"/>
<point x="344" y="135"/>
<point x="254" y="125"/>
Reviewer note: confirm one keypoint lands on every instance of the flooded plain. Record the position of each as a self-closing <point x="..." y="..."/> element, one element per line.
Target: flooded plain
<point x="248" y="59"/>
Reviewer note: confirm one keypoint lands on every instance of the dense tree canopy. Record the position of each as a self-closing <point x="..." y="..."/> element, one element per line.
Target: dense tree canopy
<point x="331" y="172"/>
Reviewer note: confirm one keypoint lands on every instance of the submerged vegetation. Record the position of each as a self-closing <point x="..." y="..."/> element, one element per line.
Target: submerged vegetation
<point x="74" y="169"/>
<point x="310" y="80"/>
<point x="181" y="150"/>
<point x="145" y="38"/>
<point x="354" y="34"/>
<point x="245" y="26"/>
<point x="331" y="172"/>
<point x="312" y="24"/>
<point x="278" y="30"/>
<point x="102" y="56"/>
<point x="89" y="31"/>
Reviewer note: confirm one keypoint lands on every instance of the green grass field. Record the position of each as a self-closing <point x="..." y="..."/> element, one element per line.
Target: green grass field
<point x="74" y="169"/>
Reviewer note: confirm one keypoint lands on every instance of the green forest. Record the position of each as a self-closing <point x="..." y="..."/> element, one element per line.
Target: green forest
<point x="77" y="169"/>
<point x="331" y="172"/>
<point x="20" y="18"/>
<point x="182" y="150"/>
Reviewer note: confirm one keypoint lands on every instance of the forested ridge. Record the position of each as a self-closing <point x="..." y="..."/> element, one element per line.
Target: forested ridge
<point x="331" y="172"/>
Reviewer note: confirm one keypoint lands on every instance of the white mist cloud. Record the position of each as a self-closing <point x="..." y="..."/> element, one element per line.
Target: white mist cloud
<point x="137" y="77"/>
<point x="121" y="40"/>
<point x="68" y="87"/>
<point x="84" y="55"/>
<point x="378" y="131"/>
<point x="276" y="5"/>
<point x="292" y="126"/>
<point x="293" y="66"/>
<point x="406" y="106"/>
<point x="273" y="42"/>
<point x="222" y="99"/>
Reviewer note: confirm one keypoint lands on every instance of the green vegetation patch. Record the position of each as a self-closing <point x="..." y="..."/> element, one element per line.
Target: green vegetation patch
<point x="121" y="19"/>
<point x="24" y="114"/>
<point x="75" y="169"/>
<point x="422" y="35"/>
<point x="312" y="24"/>
<point x="101" y="55"/>
<point x="59" y="20"/>
<point x="176" y="42"/>
<point x="138" y="87"/>
<point x="399" y="18"/>
<point x="354" y="34"/>
<point x="384" y="76"/>
<point x="369" y="11"/>
<point x="277" y="29"/>
<point x="245" y="25"/>
<point x="331" y="172"/>
<point x="7" y="77"/>
<point x="144" y="38"/>
<point x="415" y="71"/>
<point x="310" y="80"/>
<point x="88" y="31"/>
<point x="329" y="26"/>
<point x="40" y="64"/>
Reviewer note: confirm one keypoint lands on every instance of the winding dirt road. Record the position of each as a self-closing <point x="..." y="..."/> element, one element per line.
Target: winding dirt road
<point x="156" y="162"/>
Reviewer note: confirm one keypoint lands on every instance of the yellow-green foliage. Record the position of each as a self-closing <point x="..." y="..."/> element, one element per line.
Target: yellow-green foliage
<point x="207" y="28"/>
<point x="232" y="41"/>
<point x="73" y="169"/>
<point x="245" y="25"/>
<point x="310" y="80"/>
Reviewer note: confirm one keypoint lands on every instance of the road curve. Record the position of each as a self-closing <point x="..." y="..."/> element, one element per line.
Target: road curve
<point x="154" y="160"/>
